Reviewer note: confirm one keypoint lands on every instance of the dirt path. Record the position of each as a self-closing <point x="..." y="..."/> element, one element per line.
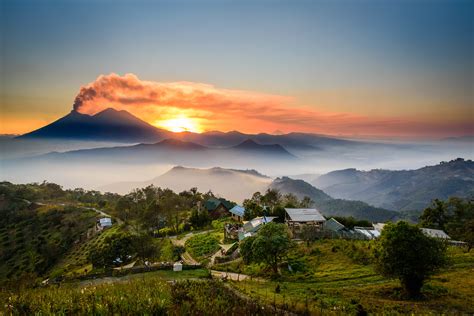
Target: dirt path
<point x="229" y="275"/>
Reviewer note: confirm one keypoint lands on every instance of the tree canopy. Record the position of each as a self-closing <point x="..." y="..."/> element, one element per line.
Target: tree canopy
<point x="269" y="246"/>
<point x="455" y="216"/>
<point x="404" y="252"/>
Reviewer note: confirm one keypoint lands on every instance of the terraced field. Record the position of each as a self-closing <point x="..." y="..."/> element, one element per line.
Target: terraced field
<point x="34" y="240"/>
<point x="75" y="262"/>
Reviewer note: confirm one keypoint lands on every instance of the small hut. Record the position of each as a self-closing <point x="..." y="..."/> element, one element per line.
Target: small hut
<point x="177" y="266"/>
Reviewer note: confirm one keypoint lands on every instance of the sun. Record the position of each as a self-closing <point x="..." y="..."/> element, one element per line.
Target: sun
<point x="180" y="124"/>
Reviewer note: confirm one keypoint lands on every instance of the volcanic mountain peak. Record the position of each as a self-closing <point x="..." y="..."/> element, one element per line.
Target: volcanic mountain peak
<point x="107" y="125"/>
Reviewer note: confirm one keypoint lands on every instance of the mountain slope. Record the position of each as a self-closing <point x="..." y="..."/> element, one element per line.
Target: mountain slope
<point x="236" y="185"/>
<point x="404" y="189"/>
<point x="329" y="206"/>
<point x="108" y="125"/>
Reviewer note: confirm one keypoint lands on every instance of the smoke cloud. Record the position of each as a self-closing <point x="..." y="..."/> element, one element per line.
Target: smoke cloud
<point x="247" y="111"/>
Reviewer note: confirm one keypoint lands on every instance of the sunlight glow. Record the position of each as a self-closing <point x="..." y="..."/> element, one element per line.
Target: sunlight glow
<point x="180" y="124"/>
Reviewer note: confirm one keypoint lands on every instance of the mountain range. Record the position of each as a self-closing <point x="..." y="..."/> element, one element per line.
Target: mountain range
<point x="173" y="151"/>
<point x="121" y="126"/>
<point x="401" y="189"/>
<point x="239" y="185"/>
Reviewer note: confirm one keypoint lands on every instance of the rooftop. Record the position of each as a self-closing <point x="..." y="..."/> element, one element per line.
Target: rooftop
<point x="237" y="210"/>
<point x="254" y="224"/>
<point x="304" y="215"/>
<point x="333" y="225"/>
<point x="435" y="233"/>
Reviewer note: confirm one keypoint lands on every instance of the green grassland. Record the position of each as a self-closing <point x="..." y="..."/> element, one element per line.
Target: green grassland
<point x="334" y="277"/>
<point x="146" y="294"/>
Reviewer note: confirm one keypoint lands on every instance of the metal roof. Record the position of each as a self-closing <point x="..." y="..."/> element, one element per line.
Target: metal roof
<point x="368" y="232"/>
<point x="435" y="233"/>
<point x="333" y="225"/>
<point x="254" y="224"/>
<point x="304" y="215"/>
<point x="237" y="210"/>
<point x="105" y="221"/>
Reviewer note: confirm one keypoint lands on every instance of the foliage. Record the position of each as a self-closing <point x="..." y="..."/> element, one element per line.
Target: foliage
<point x="199" y="218"/>
<point x="350" y="222"/>
<point x="269" y="246"/>
<point x="334" y="283"/>
<point x="406" y="253"/>
<point x="149" y="295"/>
<point x="33" y="239"/>
<point x="455" y="216"/>
<point x="202" y="245"/>
<point x="115" y="251"/>
<point x="246" y="250"/>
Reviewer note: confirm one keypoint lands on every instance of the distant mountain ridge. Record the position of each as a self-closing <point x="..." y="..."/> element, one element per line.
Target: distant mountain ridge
<point x="238" y="185"/>
<point x="402" y="189"/>
<point x="176" y="151"/>
<point x="330" y="206"/>
<point x="122" y="127"/>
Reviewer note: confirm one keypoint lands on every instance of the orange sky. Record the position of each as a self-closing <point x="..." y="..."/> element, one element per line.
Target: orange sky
<point x="199" y="107"/>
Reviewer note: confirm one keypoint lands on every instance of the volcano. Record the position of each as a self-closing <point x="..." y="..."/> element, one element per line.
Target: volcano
<point x="108" y="125"/>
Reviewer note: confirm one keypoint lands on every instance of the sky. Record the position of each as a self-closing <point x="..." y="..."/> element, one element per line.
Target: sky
<point x="359" y="68"/>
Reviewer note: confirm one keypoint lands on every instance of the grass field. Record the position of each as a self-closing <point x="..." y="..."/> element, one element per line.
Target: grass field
<point x="333" y="279"/>
<point x="145" y="294"/>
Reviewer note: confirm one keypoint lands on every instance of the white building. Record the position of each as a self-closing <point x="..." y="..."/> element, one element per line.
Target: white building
<point x="104" y="222"/>
<point x="177" y="266"/>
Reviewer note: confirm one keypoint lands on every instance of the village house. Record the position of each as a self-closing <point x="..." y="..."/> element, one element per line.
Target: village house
<point x="103" y="223"/>
<point x="237" y="213"/>
<point x="435" y="233"/>
<point x="295" y="218"/>
<point x="218" y="207"/>
<point x="251" y="227"/>
<point x="367" y="232"/>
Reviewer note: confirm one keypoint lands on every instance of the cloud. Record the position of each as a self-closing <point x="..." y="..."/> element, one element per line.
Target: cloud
<point x="248" y="111"/>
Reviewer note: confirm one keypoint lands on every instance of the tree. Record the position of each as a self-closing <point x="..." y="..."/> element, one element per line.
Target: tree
<point x="246" y="249"/>
<point x="404" y="252"/>
<point x="435" y="216"/>
<point x="455" y="216"/>
<point x="271" y="244"/>
<point x="116" y="250"/>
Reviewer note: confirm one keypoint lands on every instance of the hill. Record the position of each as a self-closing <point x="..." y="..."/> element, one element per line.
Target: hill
<point x="236" y="185"/>
<point x="330" y="206"/>
<point x="404" y="189"/>
<point x="35" y="236"/>
<point x="108" y="125"/>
